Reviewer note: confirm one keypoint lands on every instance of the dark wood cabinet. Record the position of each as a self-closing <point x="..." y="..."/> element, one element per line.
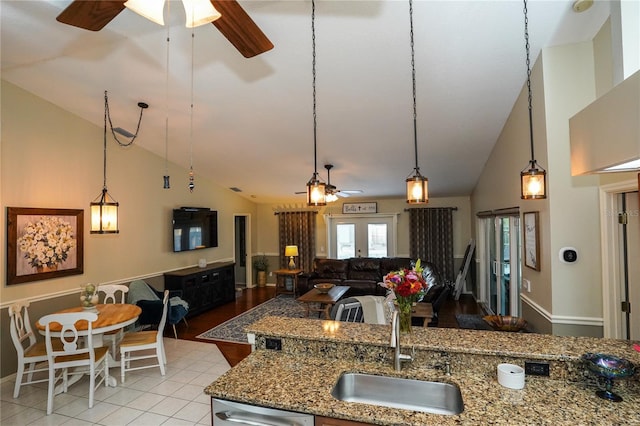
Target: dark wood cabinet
<point x="204" y="288"/>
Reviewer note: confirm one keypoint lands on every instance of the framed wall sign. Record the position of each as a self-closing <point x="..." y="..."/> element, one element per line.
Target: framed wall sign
<point x="531" y="241"/>
<point x="43" y="244"/>
<point x="359" y="208"/>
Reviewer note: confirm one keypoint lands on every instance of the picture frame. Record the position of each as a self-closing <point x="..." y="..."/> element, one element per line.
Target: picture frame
<point x="531" y="240"/>
<point x="355" y="208"/>
<point x="44" y="243"/>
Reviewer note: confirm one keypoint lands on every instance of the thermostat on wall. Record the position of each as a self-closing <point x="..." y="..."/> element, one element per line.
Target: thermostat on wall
<point x="568" y="254"/>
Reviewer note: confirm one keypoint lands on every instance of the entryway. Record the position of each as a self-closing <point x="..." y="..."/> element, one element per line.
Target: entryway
<point x="362" y="236"/>
<point x="242" y="240"/>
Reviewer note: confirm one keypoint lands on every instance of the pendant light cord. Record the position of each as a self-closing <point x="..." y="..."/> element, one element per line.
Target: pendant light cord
<point x="166" y="100"/>
<point x="104" y="147"/>
<point x="315" y="119"/>
<point x="526" y="38"/>
<point x="413" y="79"/>
<point x="191" y="176"/>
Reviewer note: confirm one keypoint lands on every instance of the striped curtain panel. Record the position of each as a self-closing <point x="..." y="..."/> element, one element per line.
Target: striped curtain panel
<point x="298" y="229"/>
<point x="431" y="238"/>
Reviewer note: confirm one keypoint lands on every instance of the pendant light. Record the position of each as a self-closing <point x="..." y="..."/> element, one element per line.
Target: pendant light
<point x="316" y="195"/>
<point x="166" y="178"/>
<point x="198" y="12"/>
<point x="104" y="209"/>
<point x="417" y="185"/>
<point x="192" y="184"/>
<point x="533" y="179"/>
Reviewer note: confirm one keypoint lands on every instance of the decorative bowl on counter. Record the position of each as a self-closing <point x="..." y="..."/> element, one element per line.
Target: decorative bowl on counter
<point x="610" y="367"/>
<point x="324" y="287"/>
<point x="505" y="322"/>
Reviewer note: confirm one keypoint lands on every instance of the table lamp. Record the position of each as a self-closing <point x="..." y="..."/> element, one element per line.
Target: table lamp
<point x="291" y="251"/>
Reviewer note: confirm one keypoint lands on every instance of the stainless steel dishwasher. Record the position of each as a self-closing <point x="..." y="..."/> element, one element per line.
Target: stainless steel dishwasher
<point x="234" y="413"/>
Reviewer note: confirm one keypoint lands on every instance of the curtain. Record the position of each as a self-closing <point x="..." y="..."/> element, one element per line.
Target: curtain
<point x="298" y="229"/>
<point x="431" y="238"/>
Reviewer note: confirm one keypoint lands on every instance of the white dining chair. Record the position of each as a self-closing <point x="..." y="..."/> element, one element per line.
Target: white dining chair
<point x="73" y="354"/>
<point x="111" y="291"/>
<point x="142" y="341"/>
<point x="31" y="352"/>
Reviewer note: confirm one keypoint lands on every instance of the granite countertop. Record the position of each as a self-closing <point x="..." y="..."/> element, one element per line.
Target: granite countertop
<point x="314" y="355"/>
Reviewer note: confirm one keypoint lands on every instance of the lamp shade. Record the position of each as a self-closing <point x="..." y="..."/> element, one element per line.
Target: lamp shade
<point x="104" y="214"/>
<point x="153" y="10"/>
<point x="291" y="251"/>
<point x="316" y="192"/>
<point x="199" y="12"/>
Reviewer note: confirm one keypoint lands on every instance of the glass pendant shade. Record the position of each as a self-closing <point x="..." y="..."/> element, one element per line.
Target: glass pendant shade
<point x="316" y="195"/>
<point x="199" y="12"/>
<point x="104" y="214"/>
<point x="153" y="10"/>
<point x="417" y="189"/>
<point x="533" y="183"/>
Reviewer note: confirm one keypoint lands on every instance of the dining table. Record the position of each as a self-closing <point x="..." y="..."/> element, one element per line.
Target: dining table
<point x="111" y="316"/>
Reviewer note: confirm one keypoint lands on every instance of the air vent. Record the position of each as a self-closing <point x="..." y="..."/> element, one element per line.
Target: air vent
<point x="234" y="189"/>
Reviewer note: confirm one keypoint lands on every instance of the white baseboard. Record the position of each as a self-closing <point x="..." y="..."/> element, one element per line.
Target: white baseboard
<point x="562" y="319"/>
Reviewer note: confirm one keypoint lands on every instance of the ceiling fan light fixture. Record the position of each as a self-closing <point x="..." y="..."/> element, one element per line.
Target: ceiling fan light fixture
<point x="199" y="12"/>
<point x="153" y="10"/>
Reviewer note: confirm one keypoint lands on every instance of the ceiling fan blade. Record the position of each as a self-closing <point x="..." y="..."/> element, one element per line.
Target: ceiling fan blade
<point x="91" y="15"/>
<point x="342" y="194"/>
<point x="238" y="27"/>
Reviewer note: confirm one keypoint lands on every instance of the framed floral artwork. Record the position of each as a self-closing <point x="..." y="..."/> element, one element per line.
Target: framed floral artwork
<point x="531" y="241"/>
<point x="43" y="243"/>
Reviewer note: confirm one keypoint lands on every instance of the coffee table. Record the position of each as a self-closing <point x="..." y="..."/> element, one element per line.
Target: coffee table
<point x="324" y="300"/>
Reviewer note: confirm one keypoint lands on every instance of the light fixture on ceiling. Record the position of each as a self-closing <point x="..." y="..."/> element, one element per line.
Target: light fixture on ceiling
<point x="330" y="189"/>
<point x="533" y="179"/>
<point x="104" y="209"/>
<point x="198" y="12"/>
<point x="192" y="184"/>
<point x="582" y="5"/>
<point x="316" y="195"/>
<point x="417" y="185"/>
<point x="166" y="178"/>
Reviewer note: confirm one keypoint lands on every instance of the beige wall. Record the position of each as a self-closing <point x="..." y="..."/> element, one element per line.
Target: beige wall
<point x="51" y="158"/>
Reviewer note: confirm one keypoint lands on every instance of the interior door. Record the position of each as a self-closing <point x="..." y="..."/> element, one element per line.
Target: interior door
<point x="629" y="237"/>
<point x="361" y="236"/>
<point x="240" y="227"/>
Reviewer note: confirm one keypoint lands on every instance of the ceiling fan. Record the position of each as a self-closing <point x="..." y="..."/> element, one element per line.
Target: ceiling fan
<point x="331" y="191"/>
<point x="235" y="24"/>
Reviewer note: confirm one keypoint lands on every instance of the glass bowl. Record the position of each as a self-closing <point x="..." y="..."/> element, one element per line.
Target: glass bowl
<point x="324" y="288"/>
<point x="608" y="366"/>
<point x="505" y="322"/>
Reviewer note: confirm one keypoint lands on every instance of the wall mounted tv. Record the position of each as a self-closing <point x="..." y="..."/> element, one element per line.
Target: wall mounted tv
<point x="194" y="228"/>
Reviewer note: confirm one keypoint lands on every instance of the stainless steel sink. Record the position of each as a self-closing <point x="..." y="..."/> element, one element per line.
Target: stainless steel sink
<point x="394" y="392"/>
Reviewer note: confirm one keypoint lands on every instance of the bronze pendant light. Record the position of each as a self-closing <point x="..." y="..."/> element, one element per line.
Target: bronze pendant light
<point x="316" y="189"/>
<point x="417" y="185"/>
<point x="533" y="178"/>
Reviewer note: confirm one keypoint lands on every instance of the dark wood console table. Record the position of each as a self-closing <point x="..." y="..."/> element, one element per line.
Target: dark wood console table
<point x="204" y="288"/>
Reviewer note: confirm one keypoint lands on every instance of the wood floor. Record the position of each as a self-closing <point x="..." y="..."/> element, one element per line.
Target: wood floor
<point x="248" y="298"/>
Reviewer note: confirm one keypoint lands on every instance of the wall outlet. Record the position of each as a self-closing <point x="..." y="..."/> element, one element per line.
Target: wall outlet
<point x="536" y="368"/>
<point x="526" y="285"/>
<point x="274" y="344"/>
<point x="270" y="274"/>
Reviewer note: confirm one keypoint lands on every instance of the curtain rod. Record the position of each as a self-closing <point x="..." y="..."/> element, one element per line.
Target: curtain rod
<point x="297" y="211"/>
<point x="433" y="208"/>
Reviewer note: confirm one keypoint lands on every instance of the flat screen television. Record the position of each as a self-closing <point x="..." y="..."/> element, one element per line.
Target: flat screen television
<point x="194" y="228"/>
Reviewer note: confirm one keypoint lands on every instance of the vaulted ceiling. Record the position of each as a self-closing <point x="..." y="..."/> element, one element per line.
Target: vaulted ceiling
<point x="253" y="118"/>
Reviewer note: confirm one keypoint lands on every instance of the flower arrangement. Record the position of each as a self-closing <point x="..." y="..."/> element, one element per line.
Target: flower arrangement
<point x="409" y="287"/>
<point x="47" y="241"/>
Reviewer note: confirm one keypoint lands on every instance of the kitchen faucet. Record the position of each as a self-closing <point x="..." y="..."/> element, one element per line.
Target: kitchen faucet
<point x="395" y="342"/>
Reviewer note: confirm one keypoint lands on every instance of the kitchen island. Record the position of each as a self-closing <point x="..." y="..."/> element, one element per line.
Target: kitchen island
<point x="314" y="353"/>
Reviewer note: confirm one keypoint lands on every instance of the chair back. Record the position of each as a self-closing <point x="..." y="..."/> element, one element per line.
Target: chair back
<point x="349" y="310"/>
<point x="72" y="352"/>
<point x="163" y="319"/>
<point x="21" y="331"/>
<point x="110" y="292"/>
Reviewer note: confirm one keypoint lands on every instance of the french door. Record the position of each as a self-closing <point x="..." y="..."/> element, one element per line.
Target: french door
<point x="629" y="253"/>
<point x="501" y="273"/>
<point x="361" y="236"/>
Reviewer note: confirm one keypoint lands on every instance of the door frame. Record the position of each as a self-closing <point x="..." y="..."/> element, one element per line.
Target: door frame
<point x="247" y="232"/>
<point x="610" y="242"/>
<point x="329" y="219"/>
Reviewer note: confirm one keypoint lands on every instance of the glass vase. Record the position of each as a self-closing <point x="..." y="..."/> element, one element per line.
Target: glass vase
<point x="88" y="296"/>
<point x="404" y="314"/>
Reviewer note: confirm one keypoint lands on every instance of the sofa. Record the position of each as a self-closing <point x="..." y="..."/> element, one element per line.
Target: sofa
<point x="363" y="275"/>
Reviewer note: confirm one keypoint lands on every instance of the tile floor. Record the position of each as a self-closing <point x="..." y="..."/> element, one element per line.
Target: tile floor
<point x="147" y="398"/>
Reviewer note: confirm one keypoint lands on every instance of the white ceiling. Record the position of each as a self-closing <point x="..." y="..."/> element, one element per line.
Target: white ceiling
<point x="252" y="118"/>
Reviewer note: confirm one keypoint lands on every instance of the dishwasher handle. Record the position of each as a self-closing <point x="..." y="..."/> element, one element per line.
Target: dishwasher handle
<point x="249" y="419"/>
